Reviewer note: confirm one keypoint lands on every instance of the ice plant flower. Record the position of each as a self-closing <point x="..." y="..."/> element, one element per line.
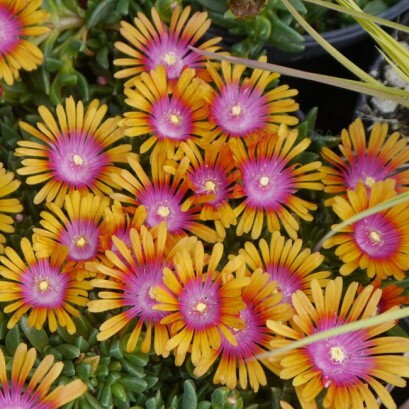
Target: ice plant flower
<point x="23" y="391"/>
<point x="20" y="19"/>
<point x="129" y="284"/>
<point x="8" y="185"/>
<point x="164" y="197"/>
<point x="151" y="45"/>
<point x="73" y="154"/>
<point x="262" y="303"/>
<point x="77" y="226"/>
<point x="44" y="287"/>
<point x="290" y="266"/>
<point x="270" y="181"/>
<point x="168" y="117"/>
<point x="392" y="295"/>
<point x="380" y="158"/>
<point x="351" y="366"/>
<point x="203" y="304"/>
<point x="378" y="243"/>
<point x="118" y="222"/>
<point x="215" y="176"/>
<point x="244" y="108"/>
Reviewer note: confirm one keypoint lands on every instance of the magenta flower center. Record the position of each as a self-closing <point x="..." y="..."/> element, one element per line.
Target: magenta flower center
<point x="377" y="236"/>
<point x="172" y="53"/>
<point x="367" y="169"/>
<point x="200" y="304"/>
<point x="10" y="29"/>
<point x="248" y="337"/>
<point x="171" y="119"/>
<point x="82" y="239"/>
<point x="342" y="359"/>
<point x="77" y="160"/>
<point x="139" y="291"/>
<point x="43" y="285"/>
<point x="15" y="398"/>
<point x="163" y="204"/>
<point x="267" y="183"/>
<point x="208" y="180"/>
<point x="239" y="110"/>
<point x="287" y="281"/>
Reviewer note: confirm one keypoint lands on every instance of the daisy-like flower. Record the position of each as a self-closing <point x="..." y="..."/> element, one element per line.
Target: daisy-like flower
<point x="270" y="180"/>
<point x="151" y="45"/>
<point x="380" y="158"/>
<point x="73" y="154"/>
<point x="169" y="118"/>
<point x="245" y="108"/>
<point x="213" y="176"/>
<point x="164" y="197"/>
<point x="77" y="226"/>
<point x="46" y="287"/>
<point x="19" y="19"/>
<point x="23" y="391"/>
<point x="203" y="304"/>
<point x="290" y="266"/>
<point x="118" y="222"/>
<point x="7" y="205"/>
<point x="351" y="366"/>
<point x="378" y="243"/>
<point x="262" y="303"/>
<point x="136" y="271"/>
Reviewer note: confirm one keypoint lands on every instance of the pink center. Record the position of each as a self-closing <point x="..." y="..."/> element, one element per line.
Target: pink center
<point x="200" y="304"/>
<point x="172" y="53"/>
<point x="208" y="180"/>
<point x="341" y="359"/>
<point x="171" y="119"/>
<point x="367" y="169"/>
<point x="267" y="183"/>
<point x="250" y="336"/>
<point x="139" y="291"/>
<point x="10" y="29"/>
<point x="77" y="160"/>
<point x="239" y="110"/>
<point x="82" y="239"/>
<point x="287" y="282"/>
<point x="377" y="236"/>
<point x="43" y="285"/>
<point x="163" y="204"/>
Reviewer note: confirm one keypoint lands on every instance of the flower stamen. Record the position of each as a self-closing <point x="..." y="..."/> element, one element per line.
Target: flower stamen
<point x="235" y="110"/>
<point x="264" y="181"/>
<point x="78" y="160"/>
<point x="175" y="119"/>
<point x="369" y="181"/>
<point x="337" y="354"/>
<point x="210" y="186"/>
<point x="163" y="211"/>
<point x="375" y="236"/>
<point x="80" y="241"/>
<point x="200" y="307"/>
<point x="170" y="58"/>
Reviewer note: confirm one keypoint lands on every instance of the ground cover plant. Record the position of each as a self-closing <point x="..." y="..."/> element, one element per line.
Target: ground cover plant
<point x="172" y="233"/>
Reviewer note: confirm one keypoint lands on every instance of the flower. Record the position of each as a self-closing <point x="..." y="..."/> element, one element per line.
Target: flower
<point x="270" y="180"/>
<point x="130" y="283"/>
<point x="243" y="108"/>
<point x="392" y="295"/>
<point x="74" y="153"/>
<point x="213" y="176"/>
<point x="18" y="19"/>
<point x="77" y="226"/>
<point x="380" y="158"/>
<point x="10" y="205"/>
<point x="345" y="365"/>
<point x="46" y="287"/>
<point x="163" y="195"/>
<point x="156" y="44"/>
<point x="262" y="303"/>
<point x="16" y="393"/>
<point x="378" y="243"/>
<point x="289" y="266"/>
<point x="170" y="118"/>
<point x="118" y="222"/>
<point x="202" y="303"/>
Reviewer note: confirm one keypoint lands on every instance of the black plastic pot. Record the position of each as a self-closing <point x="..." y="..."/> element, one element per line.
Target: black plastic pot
<point x="340" y="38"/>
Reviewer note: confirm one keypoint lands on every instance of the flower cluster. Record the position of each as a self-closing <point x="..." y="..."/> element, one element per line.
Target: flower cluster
<point x="134" y="232"/>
